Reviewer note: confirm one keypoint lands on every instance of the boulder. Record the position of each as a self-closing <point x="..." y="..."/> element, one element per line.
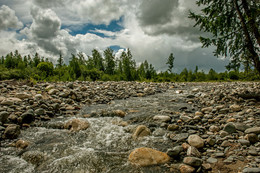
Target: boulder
<point x="23" y="95"/>
<point x="147" y="157"/>
<point x="196" y="141"/>
<point x="76" y="125"/>
<point x="28" y="117"/>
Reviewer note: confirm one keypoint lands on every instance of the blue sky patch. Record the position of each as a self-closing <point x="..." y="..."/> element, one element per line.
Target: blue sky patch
<point x="114" y="26"/>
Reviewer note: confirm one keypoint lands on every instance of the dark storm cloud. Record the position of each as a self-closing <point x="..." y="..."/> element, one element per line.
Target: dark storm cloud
<point x="153" y="12"/>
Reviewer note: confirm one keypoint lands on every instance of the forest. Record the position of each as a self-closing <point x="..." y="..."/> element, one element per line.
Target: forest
<point x="104" y="66"/>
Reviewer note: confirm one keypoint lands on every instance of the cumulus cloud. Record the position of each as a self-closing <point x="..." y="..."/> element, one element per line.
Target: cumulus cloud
<point x="8" y="18"/>
<point x="46" y="23"/>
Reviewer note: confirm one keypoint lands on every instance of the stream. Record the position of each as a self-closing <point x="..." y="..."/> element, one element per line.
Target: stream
<point x="104" y="146"/>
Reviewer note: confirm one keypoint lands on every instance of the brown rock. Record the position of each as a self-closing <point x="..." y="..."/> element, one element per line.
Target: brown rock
<point x="253" y="138"/>
<point x="120" y="113"/>
<point x="21" y="144"/>
<point x="76" y="125"/>
<point x="192" y="151"/>
<point x="12" y="131"/>
<point x="147" y="157"/>
<point x="192" y="161"/>
<point x="185" y="146"/>
<point x="186" y="168"/>
<point x="141" y="131"/>
<point x="173" y="127"/>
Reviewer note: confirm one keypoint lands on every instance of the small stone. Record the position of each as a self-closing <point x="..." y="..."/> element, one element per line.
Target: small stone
<point x="76" y="125"/>
<point x="231" y="120"/>
<point x="39" y="111"/>
<point x="186" y="169"/>
<point x="219" y="155"/>
<point x="180" y="137"/>
<point x="141" y="131"/>
<point x="38" y="97"/>
<point x="185" y="118"/>
<point x="225" y="144"/>
<point x="241" y="127"/>
<point x="211" y="141"/>
<point x="196" y="141"/>
<point x="185" y="146"/>
<point x="198" y="113"/>
<point x="3" y="116"/>
<point x="212" y="160"/>
<point x="253" y="138"/>
<point x="230" y="128"/>
<point x="175" y="151"/>
<point x="147" y="157"/>
<point x="214" y="128"/>
<point x="223" y="133"/>
<point x="253" y="152"/>
<point x="251" y="170"/>
<point x="21" y="144"/>
<point x="207" y="109"/>
<point x="206" y="166"/>
<point x="12" y="131"/>
<point x="53" y="91"/>
<point x="120" y="113"/>
<point x="28" y="117"/>
<point x="172" y="127"/>
<point x="192" y="161"/>
<point x="7" y="102"/>
<point x="23" y="95"/>
<point x="49" y="87"/>
<point x="192" y="151"/>
<point x="244" y="142"/>
<point x="235" y="108"/>
<point x="162" y="118"/>
<point x="255" y="130"/>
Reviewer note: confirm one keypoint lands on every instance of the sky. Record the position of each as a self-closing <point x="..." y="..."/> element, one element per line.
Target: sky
<point x="151" y="29"/>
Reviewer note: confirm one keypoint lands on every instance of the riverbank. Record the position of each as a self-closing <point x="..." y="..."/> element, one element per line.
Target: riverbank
<point x="207" y="127"/>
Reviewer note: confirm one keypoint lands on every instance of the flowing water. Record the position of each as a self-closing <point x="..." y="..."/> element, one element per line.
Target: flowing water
<point x="103" y="147"/>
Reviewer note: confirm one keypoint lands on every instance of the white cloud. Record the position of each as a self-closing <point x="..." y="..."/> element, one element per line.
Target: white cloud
<point x="8" y="18"/>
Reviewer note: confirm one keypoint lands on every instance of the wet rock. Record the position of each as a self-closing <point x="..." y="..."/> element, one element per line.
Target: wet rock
<point x="3" y="116"/>
<point x="235" y="108"/>
<point x="192" y="151"/>
<point x="119" y="113"/>
<point x="34" y="157"/>
<point x="147" y="157"/>
<point x="76" y="125"/>
<point x="255" y="130"/>
<point x="12" y="131"/>
<point x="141" y="131"/>
<point x="175" y="151"/>
<point x="196" y="141"/>
<point x="186" y="169"/>
<point x="180" y="137"/>
<point x="230" y="128"/>
<point x="28" y="117"/>
<point x="192" y="161"/>
<point x="251" y="170"/>
<point x="172" y="127"/>
<point x="21" y="144"/>
<point x="162" y="118"/>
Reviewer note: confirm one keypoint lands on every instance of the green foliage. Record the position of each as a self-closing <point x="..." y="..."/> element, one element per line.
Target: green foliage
<point x="45" y="69"/>
<point x="234" y="27"/>
<point x="109" y="61"/>
<point x="170" y="62"/>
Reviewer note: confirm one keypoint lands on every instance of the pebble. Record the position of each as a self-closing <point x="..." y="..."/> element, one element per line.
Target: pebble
<point x="212" y="160"/>
<point x="196" y="141"/>
<point x="141" y="131"/>
<point x="230" y="127"/>
<point x="186" y="168"/>
<point x="192" y="161"/>
<point x="162" y="118"/>
<point x="255" y="130"/>
<point x="251" y="170"/>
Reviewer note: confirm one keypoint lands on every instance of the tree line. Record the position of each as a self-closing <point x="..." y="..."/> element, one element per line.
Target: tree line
<point x="106" y="67"/>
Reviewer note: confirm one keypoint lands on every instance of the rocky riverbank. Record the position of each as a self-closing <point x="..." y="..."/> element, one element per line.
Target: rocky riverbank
<point x="177" y="127"/>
